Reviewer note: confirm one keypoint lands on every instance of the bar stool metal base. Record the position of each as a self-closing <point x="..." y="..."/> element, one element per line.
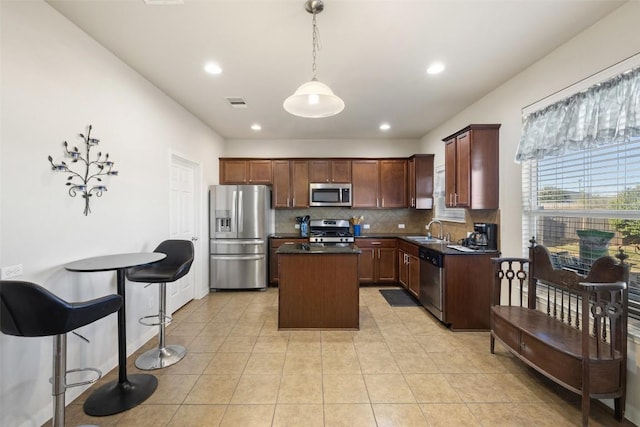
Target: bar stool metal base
<point x="158" y="358"/>
<point x="115" y="397"/>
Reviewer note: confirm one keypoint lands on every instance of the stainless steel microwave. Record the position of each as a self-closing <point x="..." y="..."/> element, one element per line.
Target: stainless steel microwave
<point x="323" y="194"/>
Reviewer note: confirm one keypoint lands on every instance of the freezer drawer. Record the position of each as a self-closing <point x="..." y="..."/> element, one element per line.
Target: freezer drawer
<point x="237" y="247"/>
<point x="238" y="271"/>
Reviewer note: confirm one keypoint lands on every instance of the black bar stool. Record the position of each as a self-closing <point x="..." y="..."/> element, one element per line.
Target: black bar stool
<point x="29" y="310"/>
<point x="176" y="265"/>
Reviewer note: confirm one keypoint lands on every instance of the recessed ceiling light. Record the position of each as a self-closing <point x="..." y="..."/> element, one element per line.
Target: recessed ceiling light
<point x="212" y="68"/>
<point x="385" y="126"/>
<point x="256" y="127"/>
<point x="435" y="68"/>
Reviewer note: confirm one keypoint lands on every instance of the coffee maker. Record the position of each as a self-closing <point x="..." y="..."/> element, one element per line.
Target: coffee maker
<point x="484" y="236"/>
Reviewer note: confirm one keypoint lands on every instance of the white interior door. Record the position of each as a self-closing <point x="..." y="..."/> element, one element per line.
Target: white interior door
<point x="183" y="222"/>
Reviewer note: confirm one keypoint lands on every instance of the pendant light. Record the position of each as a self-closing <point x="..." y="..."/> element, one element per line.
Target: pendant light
<point x="314" y="99"/>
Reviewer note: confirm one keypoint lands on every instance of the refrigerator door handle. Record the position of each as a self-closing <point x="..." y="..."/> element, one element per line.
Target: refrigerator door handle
<point x="234" y="204"/>
<point x="240" y="213"/>
<point x="238" y="257"/>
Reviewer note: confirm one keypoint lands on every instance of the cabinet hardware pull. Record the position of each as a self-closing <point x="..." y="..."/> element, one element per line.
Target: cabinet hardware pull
<point x="294" y="202"/>
<point x="383" y="202"/>
<point x="376" y="243"/>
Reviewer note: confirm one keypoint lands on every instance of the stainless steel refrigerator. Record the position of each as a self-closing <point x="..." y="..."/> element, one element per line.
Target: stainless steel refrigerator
<point x="240" y="221"/>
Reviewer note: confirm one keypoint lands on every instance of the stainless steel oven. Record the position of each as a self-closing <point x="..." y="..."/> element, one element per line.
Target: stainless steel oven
<point x="432" y="281"/>
<point x="328" y="194"/>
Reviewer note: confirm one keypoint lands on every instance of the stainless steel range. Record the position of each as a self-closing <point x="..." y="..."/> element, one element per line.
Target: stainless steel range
<point x="333" y="231"/>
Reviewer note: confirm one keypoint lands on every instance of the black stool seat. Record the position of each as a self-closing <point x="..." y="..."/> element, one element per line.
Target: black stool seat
<point x="176" y="265"/>
<point x="29" y="310"/>
<point x="173" y="267"/>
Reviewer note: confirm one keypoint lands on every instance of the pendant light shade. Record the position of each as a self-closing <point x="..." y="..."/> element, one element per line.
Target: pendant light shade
<point x="314" y="99"/>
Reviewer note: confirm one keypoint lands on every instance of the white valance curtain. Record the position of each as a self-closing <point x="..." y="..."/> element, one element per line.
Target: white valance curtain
<point x="608" y="112"/>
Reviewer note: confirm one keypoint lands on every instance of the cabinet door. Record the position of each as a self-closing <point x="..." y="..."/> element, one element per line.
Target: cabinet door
<point x="341" y="171"/>
<point x="450" y="172"/>
<point x="260" y="171"/>
<point x="463" y="170"/>
<point x="413" y="273"/>
<point x="364" y="176"/>
<point x="366" y="263"/>
<point x="233" y="171"/>
<point x="393" y="183"/>
<point x="319" y="171"/>
<point x="299" y="183"/>
<point x="387" y="267"/>
<point x="423" y="181"/>
<point x="403" y="270"/>
<point x="411" y="182"/>
<point x="281" y="184"/>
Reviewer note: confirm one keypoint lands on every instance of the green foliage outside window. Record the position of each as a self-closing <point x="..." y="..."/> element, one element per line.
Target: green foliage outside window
<point x="628" y="199"/>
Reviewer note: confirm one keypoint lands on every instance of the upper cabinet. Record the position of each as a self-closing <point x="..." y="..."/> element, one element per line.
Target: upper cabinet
<point x="245" y="171"/>
<point x="290" y="184"/>
<point x="330" y="170"/>
<point x="471" y="167"/>
<point x="420" y="181"/>
<point x="379" y="183"/>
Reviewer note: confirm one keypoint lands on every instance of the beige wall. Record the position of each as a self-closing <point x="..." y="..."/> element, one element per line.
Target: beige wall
<point x="55" y="81"/>
<point x="609" y="41"/>
<point x="322" y="148"/>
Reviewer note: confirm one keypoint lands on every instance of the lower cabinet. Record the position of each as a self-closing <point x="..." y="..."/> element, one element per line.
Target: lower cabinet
<point x="378" y="261"/>
<point x="274" y="244"/>
<point x="409" y="267"/>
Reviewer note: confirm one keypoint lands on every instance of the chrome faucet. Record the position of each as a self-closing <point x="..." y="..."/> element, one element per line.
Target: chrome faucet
<point x="440" y="236"/>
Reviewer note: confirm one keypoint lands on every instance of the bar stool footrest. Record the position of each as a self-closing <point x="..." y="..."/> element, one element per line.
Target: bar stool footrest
<point x="77" y="384"/>
<point x="162" y="320"/>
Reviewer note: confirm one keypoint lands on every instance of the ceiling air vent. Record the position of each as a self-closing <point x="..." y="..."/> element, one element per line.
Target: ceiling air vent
<point x="236" y="102"/>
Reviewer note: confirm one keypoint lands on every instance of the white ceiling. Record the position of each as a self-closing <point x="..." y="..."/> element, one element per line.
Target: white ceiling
<point x="374" y="56"/>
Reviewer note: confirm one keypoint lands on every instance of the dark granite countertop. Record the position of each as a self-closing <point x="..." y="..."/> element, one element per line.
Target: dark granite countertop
<point x="435" y="244"/>
<point x="317" y="248"/>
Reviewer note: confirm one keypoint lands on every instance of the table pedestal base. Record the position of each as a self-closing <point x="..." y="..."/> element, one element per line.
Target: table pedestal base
<point x="116" y="397"/>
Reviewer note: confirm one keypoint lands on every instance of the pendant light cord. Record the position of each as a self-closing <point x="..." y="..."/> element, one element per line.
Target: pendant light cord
<point x="316" y="45"/>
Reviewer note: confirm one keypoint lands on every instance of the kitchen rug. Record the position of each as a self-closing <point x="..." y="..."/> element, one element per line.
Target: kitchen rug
<point x="399" y="298"/>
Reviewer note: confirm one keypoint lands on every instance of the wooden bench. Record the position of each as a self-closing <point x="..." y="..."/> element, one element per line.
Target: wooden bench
<point x="569" y="327"/>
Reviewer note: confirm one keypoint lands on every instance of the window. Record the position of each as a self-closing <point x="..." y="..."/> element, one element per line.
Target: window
<point x="441" y="212"/>
<point x="581" y="178"/>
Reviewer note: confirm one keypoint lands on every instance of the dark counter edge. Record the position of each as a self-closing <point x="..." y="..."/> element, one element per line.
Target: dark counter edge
<point x="439" y="247"/>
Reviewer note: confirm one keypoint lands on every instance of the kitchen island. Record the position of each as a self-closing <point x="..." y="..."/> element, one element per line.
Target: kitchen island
<point x="318" y="287"/>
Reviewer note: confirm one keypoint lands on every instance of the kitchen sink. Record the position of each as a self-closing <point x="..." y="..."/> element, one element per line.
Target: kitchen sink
<point x="425" y="239"/>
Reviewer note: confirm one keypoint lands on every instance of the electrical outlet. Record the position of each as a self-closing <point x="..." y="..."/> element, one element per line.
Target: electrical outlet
<point x="296" y="226"/>
<point x="11" y="271"/>
<point x="400" y="225"/>
<point x="366" y="226"/>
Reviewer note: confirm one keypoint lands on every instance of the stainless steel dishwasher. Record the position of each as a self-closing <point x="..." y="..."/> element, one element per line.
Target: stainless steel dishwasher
<point x="432" y="281"/>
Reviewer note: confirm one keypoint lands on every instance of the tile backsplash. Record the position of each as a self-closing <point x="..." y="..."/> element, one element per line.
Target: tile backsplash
<point x="385" y="221"/>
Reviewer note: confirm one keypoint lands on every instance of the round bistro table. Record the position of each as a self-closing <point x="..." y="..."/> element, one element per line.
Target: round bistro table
<point x="127" y="391"/>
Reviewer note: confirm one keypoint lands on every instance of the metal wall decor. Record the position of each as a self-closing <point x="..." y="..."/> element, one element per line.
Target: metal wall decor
<point x="82" y="182"/>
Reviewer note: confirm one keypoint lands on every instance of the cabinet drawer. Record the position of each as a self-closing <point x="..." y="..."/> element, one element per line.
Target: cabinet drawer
<point x="506" y="332"/>
<point x="566" y="368"/>
<point x="407" y="247"/>
<point x="376" y="243"/>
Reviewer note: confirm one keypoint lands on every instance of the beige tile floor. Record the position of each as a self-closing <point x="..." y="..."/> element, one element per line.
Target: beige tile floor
<point x="403" y="368"/>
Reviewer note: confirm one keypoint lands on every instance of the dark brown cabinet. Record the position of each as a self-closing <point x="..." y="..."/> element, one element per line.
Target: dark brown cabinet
<point x="330" y="170"/>
<point x="409" y="267"/>
<point x="274" y="244"/>
<point x="420" y="181"/>
<point x="468" y="281"/>
<point x="379" y="183"/>
<point x="377" y="263"/>
<point x="471" y="167"/>
<point x="290" y="184"/>
<point x="245" y="171"/>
